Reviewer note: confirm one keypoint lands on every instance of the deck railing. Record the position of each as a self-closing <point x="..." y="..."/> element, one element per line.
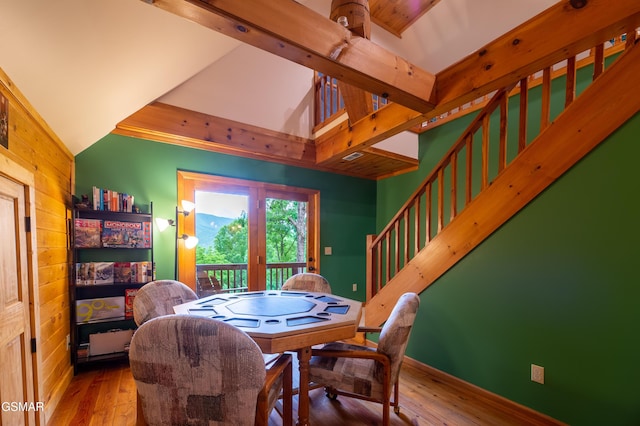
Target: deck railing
<point x="232" y="278"/>
<point x="474" y="161"/>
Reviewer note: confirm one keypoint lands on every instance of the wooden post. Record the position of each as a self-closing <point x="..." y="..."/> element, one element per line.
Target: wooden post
<point x="357" y="102"/>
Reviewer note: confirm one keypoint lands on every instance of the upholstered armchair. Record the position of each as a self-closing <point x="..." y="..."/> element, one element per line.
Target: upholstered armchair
<point x="367" y="373"/>
<point x="158" y="298"/>
<point x="198" y="370"/>
<point x="307" y="281"/>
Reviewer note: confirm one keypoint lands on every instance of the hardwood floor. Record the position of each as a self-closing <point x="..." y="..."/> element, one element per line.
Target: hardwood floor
<point x="107" y="396"/>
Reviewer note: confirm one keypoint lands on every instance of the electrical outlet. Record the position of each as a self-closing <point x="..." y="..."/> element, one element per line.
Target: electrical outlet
<point x="355" y="287"/>
<point x="537" y="374"/>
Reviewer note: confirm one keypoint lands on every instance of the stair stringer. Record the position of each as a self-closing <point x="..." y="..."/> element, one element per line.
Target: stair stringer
<point x="611" y="100"/>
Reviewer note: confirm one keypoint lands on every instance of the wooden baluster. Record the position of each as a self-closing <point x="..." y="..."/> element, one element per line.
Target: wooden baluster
<point x="405" y="257"/>
<point x="427" y="213"/>
<point x="545" y="115"/>
<point x="570" y="90"/>
<point x="469" y="171"/>
<point x="396" y="244"/>
<point x="387" y="259"/>
<point x="598" y="61"/>
<point x="371" y="277"/>
<point x="502" y="150"/>
<point x="454" y="185"/>
<point x="416" y="230"/>
<point x="441" y="198"/>
<point x="524" y="99"/>
<point x="485" y="151"/>
<point x="379" y="266"/>
<point x="632" y="34"/>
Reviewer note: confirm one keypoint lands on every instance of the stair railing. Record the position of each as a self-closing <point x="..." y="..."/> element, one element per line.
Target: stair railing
<point x="481" y="153"/>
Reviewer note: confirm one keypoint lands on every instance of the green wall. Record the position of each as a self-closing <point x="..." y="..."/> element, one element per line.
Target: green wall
<point x="557" y="285"/>
<point x="148" y="171"/>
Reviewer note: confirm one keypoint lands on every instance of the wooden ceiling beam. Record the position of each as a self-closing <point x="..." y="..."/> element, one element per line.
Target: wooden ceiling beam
<point x="297" y="33"/>
<point x="179" y="126"/>
<point x="546" y="39"/>
<point x="550" y="37"/>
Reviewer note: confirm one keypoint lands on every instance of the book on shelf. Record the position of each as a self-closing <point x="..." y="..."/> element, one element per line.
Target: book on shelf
<point x="126" y="234"/>
<point x="110" y="200"/>
<point x="129" y="296"/>
<point x="142" y="272"/>
<point x="92" y="273"/>
<point x="103" y="273"/>
<point x="122" y="271"/>
<point x="87" y="233"/>
<point x="99" y="309"/>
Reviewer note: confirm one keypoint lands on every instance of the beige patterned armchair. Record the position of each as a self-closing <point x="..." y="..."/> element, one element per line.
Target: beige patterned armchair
<point x="308" y="282"/>
<point x="367" y="373"/>
<point x="158" y="298"/>
<point x="198" y="370"/>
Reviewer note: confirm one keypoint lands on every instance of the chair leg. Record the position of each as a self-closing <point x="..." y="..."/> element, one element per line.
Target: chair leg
<point x="396" y="400"/>
<point x="287" y="397"/>
<point x="385" y="412"/>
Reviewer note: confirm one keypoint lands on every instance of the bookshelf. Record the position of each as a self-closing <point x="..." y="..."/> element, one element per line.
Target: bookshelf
<point x="112" y="257"/>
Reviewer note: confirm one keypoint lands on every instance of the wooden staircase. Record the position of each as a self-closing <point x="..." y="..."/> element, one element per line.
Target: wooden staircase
<point x="460" y="203"/>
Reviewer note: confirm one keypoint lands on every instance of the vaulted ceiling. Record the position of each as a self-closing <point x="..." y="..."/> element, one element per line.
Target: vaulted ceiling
<point x="243" y="70"/>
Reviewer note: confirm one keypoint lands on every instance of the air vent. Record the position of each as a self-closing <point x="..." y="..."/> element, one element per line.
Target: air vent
<point x="353" y="156"/>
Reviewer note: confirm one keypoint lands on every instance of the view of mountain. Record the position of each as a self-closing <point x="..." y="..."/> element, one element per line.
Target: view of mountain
<point x="207" y="226"/>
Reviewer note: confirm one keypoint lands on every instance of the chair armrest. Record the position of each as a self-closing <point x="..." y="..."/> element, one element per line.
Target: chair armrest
<point x="280" y="368"/>
<point x="377" y="356"/>
<point x="276" y="369"/>
<point x="363" y="329"/>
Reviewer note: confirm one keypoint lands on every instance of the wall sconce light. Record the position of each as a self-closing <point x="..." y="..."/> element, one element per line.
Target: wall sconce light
<point x="187" y="207"/>
<point x="163" y="224"/>
<point x="189" y="241"/>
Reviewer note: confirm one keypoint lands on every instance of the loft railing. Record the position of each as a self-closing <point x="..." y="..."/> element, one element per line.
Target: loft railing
<point x="328" y="99"/>
<point x="329" y="105"/>
<point x="232" y="278"/>
<point x="481" y="153"/>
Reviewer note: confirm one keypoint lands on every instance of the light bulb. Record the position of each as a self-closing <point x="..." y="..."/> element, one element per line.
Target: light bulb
<point x="163" y="224"/>
<point x="189" y="241"/>
<point x="187" y="207"/>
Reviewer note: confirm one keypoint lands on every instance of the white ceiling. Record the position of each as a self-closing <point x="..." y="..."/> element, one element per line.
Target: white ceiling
<point x="85" y="65"/>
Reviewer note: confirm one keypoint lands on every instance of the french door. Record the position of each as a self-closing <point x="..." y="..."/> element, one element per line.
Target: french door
<point x="252" y="235"/>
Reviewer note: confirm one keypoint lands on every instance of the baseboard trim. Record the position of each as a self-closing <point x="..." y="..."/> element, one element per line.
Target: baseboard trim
<point x="454" y="381"/>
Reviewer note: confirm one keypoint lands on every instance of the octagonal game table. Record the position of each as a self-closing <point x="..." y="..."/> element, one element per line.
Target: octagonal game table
<point x="280" y="321"/>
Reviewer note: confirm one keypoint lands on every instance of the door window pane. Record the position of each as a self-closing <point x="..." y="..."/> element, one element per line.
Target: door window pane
<point x="221" y="228"/>
<point x="286" y="240"/>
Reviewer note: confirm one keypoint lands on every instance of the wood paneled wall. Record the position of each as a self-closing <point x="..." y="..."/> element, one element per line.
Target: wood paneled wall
<point x="34" y="146"/>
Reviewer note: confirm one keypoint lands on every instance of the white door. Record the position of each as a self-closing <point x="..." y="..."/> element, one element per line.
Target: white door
<point x="16" y="386"/>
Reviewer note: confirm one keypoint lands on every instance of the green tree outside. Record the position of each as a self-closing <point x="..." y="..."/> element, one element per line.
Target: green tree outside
<point x="285" y="239"/>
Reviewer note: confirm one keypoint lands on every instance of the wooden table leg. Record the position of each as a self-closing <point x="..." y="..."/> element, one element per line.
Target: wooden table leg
<point x="304" y="355"/>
